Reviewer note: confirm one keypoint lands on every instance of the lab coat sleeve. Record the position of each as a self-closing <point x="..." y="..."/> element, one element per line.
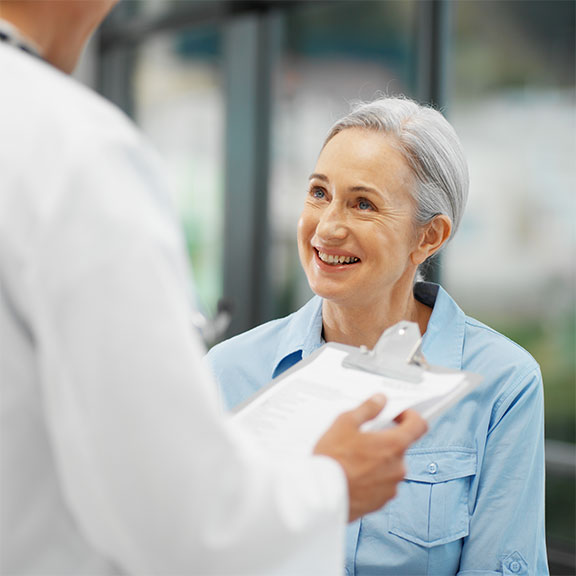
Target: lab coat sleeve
<point x="148" y="468"/>
<point x="507" y="533"/>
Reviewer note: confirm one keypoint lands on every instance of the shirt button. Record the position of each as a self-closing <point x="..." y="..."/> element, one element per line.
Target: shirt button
<point x="432" y="468"/>
<point x="515" y="566"/>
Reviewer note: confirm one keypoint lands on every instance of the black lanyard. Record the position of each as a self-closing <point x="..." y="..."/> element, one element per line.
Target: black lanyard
<point x="7" y="38"/>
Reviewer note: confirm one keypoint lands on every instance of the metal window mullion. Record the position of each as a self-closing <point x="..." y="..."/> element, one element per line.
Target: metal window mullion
<point x="248" y="83"/>
<point x="434" y="28"/>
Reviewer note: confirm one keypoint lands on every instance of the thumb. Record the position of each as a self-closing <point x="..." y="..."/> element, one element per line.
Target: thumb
<point x="369" y="409"/>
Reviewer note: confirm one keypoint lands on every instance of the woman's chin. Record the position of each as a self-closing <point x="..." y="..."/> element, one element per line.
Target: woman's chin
<point x="332" y="294"/>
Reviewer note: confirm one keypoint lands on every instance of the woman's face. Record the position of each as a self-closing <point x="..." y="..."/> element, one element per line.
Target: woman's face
<point x="356" y="236"/>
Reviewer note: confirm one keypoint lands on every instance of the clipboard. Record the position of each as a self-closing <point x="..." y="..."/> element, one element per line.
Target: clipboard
<point x="292" y="412"/>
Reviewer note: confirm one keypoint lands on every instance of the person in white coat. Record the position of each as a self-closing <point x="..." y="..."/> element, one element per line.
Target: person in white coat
<point x="115" y="458"/>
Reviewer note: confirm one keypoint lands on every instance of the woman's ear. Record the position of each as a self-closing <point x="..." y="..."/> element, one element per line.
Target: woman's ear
<point x="431" y="238"/>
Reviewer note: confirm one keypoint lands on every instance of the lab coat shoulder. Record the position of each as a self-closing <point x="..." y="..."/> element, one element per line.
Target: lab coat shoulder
<point x="78" y="180"/>
<point x="44" y="106"/>
<point x="61" y="131"/>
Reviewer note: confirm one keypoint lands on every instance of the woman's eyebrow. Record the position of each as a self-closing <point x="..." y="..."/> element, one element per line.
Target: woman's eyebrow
<point x="372" y="191"/>
<point x="316" y="176"/>
<point x="365" y="189"/>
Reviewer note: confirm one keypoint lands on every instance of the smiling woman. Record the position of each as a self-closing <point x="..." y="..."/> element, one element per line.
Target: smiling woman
<point x="360" y="207"/>
<point x="387" y="193"/>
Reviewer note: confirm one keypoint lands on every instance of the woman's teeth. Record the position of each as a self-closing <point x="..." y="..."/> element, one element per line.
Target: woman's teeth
<point x="331" y="259"/>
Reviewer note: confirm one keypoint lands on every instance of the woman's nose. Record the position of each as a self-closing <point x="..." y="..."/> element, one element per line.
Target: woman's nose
<point x="332" y="224"/>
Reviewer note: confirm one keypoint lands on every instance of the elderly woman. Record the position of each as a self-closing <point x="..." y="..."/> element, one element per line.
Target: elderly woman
<point x="387" y="192"/>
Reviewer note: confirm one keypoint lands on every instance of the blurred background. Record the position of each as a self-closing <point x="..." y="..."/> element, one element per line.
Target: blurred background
<point x="238" y="97"/>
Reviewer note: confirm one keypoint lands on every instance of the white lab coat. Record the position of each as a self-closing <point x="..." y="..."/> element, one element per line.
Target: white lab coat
<point x="114" y="459"/>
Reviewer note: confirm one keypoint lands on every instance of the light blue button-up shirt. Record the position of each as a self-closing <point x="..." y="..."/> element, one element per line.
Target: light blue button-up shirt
<point x="472" y="502"/>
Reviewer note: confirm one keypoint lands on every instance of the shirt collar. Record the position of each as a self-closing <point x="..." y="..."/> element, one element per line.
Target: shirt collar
<point x="303" y="333"/>
<point x="443" y="342"/>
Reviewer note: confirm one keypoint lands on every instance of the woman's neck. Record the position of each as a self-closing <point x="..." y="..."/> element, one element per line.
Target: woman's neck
<point x="363" y="325"/>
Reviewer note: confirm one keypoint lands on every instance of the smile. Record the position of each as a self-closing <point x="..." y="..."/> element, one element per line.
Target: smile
<point x="336" y="260"/>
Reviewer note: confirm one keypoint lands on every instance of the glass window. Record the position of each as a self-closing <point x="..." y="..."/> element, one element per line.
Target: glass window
<point x="179" y="102"/>
<point x="512" y="263"/>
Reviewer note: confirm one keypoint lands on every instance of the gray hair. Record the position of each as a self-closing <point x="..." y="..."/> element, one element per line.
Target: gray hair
<point x="430" y="146"/>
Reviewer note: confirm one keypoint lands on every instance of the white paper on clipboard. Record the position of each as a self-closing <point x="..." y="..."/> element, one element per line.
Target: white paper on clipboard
<point x="293" y="411"/>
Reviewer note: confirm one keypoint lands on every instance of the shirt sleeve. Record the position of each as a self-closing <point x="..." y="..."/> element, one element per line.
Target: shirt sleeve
<point x="507" y="533"/>
<point x="148" y="468"/>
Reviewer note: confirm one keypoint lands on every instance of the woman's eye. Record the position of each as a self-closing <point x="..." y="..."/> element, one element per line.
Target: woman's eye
<point x="365" y="205"/>
<point x="318" y="193"/>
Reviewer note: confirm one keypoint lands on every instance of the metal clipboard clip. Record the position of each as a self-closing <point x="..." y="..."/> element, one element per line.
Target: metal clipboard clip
<point x="397" y="354"/>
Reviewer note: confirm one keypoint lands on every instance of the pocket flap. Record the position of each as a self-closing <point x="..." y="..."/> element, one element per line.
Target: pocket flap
<point x="440" y="465"/>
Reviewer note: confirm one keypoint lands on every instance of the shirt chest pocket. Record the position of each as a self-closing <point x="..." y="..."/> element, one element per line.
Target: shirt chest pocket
<point x="432" y="503"/>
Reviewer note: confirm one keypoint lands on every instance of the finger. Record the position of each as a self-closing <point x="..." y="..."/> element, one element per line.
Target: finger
<point x="411" y="424"/>
<point x="368" y="410"/>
